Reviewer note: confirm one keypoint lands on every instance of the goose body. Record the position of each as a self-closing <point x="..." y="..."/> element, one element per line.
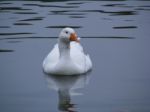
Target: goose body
<point x="67" y="57"/>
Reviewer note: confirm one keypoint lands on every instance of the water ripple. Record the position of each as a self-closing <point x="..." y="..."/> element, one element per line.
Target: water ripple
<point x="63" y="26"/>
<point x="52" y="6"/>
<point x="12" y="8"/>
<point x="87" y="37"/>
<point x="75" y="3"/>
<point x="68" y="12"/>
<point x="33" y="19"/>
<point x="6" y="50"/>
<point x="23" y="33"/>
<point x="23" y="24"/>
<point x="84" y="16"/>
<point x="4" y="26"/>
<point x="125" y="27"/>
<point x="25" y="13"/>
<point x="117" y="13"/>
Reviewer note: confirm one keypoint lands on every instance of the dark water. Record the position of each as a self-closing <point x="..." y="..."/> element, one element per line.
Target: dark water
<point x="116" y="34"/>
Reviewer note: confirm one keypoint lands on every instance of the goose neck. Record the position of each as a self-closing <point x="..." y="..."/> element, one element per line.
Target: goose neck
<point x="64" y="49"/>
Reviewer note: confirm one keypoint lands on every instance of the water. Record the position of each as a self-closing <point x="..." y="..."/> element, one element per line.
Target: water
<point x="114" y="33"/>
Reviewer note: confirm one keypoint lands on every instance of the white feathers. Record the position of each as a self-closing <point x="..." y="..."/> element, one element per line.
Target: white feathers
<point x="67" y="58"/>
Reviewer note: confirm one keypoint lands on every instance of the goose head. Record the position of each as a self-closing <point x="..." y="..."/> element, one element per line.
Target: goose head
<point x="67" y="35"/>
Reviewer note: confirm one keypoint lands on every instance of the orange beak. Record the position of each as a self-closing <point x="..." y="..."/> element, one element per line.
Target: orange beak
<point x="73" y="37"/>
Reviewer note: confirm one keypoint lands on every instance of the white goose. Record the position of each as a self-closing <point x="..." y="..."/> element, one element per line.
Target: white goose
<point x="67" y="57"/>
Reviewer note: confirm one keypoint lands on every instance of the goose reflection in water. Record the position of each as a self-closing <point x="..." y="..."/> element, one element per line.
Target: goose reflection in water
<point x="66" y="85"/>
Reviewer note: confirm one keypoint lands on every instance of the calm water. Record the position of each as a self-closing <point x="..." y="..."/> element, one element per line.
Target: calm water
<point x="116" y="34"/>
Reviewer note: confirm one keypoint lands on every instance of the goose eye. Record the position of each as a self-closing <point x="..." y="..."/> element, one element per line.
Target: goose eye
<point x="66" y="32"/>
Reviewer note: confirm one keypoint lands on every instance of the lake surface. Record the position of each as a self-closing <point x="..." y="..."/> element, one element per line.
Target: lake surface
<point x="116" y="34"/>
